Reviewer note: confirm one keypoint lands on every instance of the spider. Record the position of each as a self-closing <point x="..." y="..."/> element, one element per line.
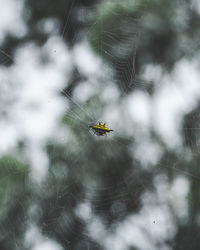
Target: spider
<point x="100" y="129"/>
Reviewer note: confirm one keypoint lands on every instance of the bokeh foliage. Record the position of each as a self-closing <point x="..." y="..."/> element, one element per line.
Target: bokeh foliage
<point x="128" y="35"/>
<point x="13" y="201"/>
<point x="132" y="34"/>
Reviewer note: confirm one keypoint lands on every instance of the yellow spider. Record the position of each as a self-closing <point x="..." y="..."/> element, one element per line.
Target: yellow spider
<point x="100" y="129"/>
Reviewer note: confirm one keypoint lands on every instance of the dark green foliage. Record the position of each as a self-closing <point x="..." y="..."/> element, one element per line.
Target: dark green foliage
<point x="191" y="128"/>
<point x="13" y="176"/>
<point x="13" y="202"/>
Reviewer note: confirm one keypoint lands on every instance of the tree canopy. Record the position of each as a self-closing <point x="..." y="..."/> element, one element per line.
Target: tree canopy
<point x="136" y="189"/>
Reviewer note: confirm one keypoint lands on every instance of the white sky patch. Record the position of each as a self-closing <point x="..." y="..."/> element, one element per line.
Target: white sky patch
<point x="91" y="66"/>
<point x="84" y="210"/>
<point x="9" y="136"/>
<point x="49" y="26"/>
<point x="112" y="114"/>
<point x="47" y="245"/>
<point x="167" y="114"/>
<point x="11" y="19"/>
<point x="87" y="61"/>
<point x="99" y="81"/>
<point x="153" y="73"/>
<point x="178" y="196"/>
<point x="174" y="194"/>
<point x="39" y="160"/>
<point x="147" y="152"/>
<point x="133" y="112"/>
<point x="34" y="103"/>
<point x="83" y="92"/>
<point x="177" y="96"/>
<point x="127" y="235"/>
<point x="38" y="106"/>
<point x="34" y="240"/>
<point x="114" y="118"/>
<point x="162" y="187"/>
<point x="110" y="93"/>
<point x="97" y="229"/>
<point x="139" y="107"/>
<point x="196" y="5"/>
<point x="158" y="223"/>
<point x="59" y="55"/>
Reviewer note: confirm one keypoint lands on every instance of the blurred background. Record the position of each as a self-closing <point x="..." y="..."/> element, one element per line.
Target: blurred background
<point x="133" y="64"/>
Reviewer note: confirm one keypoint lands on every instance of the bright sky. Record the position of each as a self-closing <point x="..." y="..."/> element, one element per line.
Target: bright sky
<point x="11" y="21"/>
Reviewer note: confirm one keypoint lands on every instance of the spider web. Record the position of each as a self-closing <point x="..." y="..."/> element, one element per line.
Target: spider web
<point x="148" y="135"/>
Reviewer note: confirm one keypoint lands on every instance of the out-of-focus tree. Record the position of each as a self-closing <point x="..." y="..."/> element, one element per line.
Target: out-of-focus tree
<point x="104" y="175"/>
<point x="132" y="34"/>
<point x="13" y="202"/>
